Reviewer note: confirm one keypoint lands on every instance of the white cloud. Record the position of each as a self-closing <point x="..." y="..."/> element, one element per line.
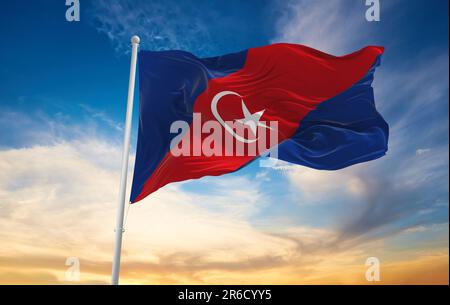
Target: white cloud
<point x="317" y="186"/>
<point x="160" y="26"/>
<point x="422" y="228"/>
<point x="330" y="26"/>
<point x="101" y="115"/>
<point x="411" y="93"/>
<point x="61" y="199"/>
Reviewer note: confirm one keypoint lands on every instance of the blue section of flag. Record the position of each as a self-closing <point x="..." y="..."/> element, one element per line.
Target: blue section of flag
<point x="342" y="131"/>
<point x="163" y="102"/>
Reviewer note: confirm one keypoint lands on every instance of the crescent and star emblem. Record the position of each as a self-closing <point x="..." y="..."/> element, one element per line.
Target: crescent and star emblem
<point x="252" y="120"/>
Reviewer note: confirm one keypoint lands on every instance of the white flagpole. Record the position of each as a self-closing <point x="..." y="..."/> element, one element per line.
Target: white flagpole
<point x="123" y="177"/>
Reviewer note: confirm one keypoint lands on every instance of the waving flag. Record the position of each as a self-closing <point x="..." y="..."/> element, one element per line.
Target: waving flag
<point x="319" y="109"/>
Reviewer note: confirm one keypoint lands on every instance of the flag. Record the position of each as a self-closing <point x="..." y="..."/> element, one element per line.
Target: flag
<point x="212" y="116"/>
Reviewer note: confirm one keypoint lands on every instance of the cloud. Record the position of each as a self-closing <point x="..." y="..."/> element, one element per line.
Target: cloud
<point x="338" y="268"/>
<point x="387" y="195"/>
<point x="27" y="278"/>
<point x="101" y="115"/>
<point x="59" y="193"/>
<point x="381" y="204"/>
<point x="60" y="198"/>
<point x="53" y="124"/>
<point x="160" y="26"/>
<point x="412" y="96"/>
<point x="317" y="186"/>
<point x="58" y="183"/>
<point x="422" y="228"/>
<point x="330" y="26"/>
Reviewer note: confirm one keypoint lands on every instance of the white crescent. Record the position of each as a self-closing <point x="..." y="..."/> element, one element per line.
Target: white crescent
<point x="216" y="114"/>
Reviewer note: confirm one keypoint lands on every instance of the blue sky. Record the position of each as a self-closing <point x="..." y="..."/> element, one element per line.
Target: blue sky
<point x="63" y="65"/>
<point x="63" y="90"/>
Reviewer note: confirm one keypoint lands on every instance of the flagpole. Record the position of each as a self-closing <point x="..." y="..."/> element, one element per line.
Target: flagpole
<point x="123" y="176"/>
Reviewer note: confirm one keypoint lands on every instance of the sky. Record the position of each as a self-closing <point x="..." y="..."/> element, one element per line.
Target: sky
<point x="62" y="108"/>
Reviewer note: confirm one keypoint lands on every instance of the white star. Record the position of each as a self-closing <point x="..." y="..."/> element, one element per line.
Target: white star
<point x="252" y="120"/>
